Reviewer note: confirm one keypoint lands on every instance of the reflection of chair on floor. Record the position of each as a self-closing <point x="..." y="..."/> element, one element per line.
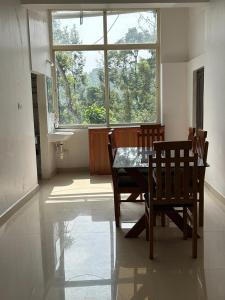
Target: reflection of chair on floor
<point x="122" y="184"/>
<point x="137" y="279"/>
<point x="130" y="269"/>
<point x="170" y="175"/>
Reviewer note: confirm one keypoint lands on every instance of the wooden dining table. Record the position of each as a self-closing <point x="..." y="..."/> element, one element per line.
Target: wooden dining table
<point x="134" y="160"/>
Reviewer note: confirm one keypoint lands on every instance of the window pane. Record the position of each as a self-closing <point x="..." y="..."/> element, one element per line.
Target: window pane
<point x="132" y="28"/>
<point x="80" y="87"/>
<point x="132" y="80"/>
<point x="73" y="27"/>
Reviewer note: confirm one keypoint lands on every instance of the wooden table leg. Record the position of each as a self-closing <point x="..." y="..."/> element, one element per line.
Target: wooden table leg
<point x="132" y="197"/>
<point x="137" y="228"/>
<point x="142" y="182"/>
<point x="171" y="213"/>
<point x="178" y="220"/>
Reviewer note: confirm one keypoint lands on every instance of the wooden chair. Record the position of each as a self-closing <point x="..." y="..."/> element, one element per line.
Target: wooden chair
<point x="191" y="135"/>
<point x="111" y="138"/>
<point x="201" y="148"/>
<point x="122" y="184"/>
<point x="150" y="133"/>
<point x="146" y="136"/>
<point x="170" y="174"/>
<point x="199" y="142"/>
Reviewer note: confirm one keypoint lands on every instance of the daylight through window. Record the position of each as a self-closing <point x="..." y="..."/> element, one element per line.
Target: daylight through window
<point x="106" y="67"/>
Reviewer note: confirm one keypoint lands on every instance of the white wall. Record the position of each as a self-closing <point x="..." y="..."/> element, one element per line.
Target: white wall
<point x="174" y="104"/>
<point x="39" y="42"/>
<point x="214" y="112"/>
<point x="196" y="32"/>
<point x="39" y="54"/>
<point x="174" y="35"/>
<point x="17" y="147"/>
<point x="211" y="27"/>
<point x="18" y="172"/>
<point x="76" y="153"/>
<point x="196" y="54"/>
<point x="174" y="54"/>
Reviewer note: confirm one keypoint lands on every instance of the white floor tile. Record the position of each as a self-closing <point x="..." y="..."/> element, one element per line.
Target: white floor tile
<point x="63" y="245"/>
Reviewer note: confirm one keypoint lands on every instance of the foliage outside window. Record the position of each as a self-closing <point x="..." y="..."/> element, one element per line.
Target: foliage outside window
<point x="106" y="67"/>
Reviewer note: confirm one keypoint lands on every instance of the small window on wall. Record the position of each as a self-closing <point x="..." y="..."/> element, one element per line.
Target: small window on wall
<point x="106" y="67"/>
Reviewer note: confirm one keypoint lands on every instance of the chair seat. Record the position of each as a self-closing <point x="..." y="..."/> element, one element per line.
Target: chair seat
<point x="122" y="172"/>
<point x="143" y="171"/>
<point x="126" y="181"/>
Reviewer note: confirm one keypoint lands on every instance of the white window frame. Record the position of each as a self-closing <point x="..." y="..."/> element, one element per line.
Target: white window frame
<point x="106" y="47"/>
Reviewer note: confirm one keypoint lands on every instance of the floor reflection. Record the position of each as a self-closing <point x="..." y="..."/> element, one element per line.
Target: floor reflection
<point x="81" y="241"/>
<point x="63" y="245"/>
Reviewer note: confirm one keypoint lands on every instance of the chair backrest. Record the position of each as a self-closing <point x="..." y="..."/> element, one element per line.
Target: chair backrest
<point x="191" y="133"/>
<point x="173" y="174"/>
<point x="201" y="145"/>
<point x="150" y="133"/>
<point x="111" y="138"/>
<point x="112" y="153"/>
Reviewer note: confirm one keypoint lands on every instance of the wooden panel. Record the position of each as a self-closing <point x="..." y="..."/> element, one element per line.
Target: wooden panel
<point x="98" y="150"/>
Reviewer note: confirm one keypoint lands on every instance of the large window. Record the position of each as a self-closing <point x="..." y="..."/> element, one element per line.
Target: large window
<point x="106" y="67"/>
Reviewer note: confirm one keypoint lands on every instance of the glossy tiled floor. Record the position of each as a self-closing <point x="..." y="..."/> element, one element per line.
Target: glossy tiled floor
<point x="63" y="245"/>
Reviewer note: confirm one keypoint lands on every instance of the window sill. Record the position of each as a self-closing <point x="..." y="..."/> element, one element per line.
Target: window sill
<point x="104" y="126"/>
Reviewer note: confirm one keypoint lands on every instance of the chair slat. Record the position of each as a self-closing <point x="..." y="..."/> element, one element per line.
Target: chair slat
<point x="150" y="133"/>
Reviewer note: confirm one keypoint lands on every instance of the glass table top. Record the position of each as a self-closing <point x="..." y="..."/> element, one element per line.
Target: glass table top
<point x="132" y="157"/>
<point x="136" y="157"/>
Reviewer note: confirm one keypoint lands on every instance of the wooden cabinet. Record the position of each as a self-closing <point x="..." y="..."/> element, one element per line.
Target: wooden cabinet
<point x="98" y="146"/>
<point x="98" y="151"/>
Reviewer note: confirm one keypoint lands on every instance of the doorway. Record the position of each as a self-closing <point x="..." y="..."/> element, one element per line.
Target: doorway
<point x="36" y="123"/>
<point x="199" y="98"/>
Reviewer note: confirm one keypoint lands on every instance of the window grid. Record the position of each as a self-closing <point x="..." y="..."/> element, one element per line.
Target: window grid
<point x="106" y="47"/>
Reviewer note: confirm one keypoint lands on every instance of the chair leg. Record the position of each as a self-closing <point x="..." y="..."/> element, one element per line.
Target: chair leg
<point x="154" y="219"/>
<point x="185" y="222"/>
<point x="117" y="208"/>
<point x="194" y="231"/>
<point x="147" y="224"/>
<point x="151" y="227"/>
<point x="201" y="207"/>
<point x="163" y="219"/>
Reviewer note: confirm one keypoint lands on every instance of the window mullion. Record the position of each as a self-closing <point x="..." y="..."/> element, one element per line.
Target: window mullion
<point x="106" y="68"/>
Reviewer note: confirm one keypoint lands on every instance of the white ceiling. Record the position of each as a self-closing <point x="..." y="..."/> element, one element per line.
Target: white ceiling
<point x="109" y="4"/>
